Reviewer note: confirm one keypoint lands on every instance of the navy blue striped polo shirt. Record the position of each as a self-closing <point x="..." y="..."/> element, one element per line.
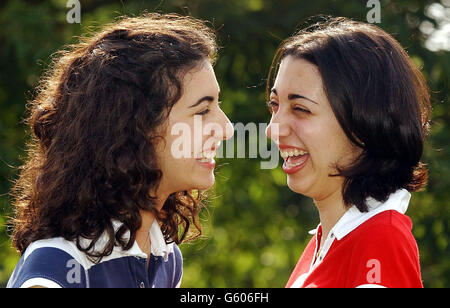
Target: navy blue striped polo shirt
<point x="58" y="263"/>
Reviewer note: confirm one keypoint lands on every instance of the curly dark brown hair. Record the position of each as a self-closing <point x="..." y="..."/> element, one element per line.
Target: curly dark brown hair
<point x="94" y="122"/>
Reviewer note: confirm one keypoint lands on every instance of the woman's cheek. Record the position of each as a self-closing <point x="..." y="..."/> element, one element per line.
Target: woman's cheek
<point x="317" y="138"/>
<point x="307" y="134"/>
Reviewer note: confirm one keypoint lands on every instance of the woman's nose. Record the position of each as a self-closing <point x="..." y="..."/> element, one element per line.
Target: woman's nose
<point x="278" y="127"/>
<point x="227" y="127"/>
<point x="220" y="128"/>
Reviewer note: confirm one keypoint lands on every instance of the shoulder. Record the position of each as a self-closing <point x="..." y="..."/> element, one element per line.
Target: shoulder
<point x="384" y="252"/>
<point x="51" y="263"/>
<point x="389" y="228"/>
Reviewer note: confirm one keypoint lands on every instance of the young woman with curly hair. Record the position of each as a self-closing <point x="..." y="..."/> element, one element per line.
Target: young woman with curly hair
<point x="103" y="199"/>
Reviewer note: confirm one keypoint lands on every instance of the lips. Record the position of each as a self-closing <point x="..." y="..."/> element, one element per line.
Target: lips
<point x="209" y="164"/>
<point x="207" y="157"/>
<point x="290" y="167"/>
<point x="207" y="160"/>
<point x="295" y="158"/>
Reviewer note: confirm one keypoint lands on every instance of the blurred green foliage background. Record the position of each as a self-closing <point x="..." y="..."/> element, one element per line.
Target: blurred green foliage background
<point x="256" y="228"/>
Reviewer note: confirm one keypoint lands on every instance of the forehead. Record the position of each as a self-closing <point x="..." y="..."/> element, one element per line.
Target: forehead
<point x="297" y="74"/>
<point x="200" y="81"/>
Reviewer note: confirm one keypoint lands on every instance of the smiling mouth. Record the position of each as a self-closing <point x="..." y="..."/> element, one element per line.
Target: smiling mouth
<point x="207" y="156"/>
<point x="294" y="159"/>
<point x="207" y="159"/>
<point x="287" y="153"/>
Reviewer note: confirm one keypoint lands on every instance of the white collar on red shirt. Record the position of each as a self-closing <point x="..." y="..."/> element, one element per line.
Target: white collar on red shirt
<point x="398" y="201"/>
<point x="353" y="218"/>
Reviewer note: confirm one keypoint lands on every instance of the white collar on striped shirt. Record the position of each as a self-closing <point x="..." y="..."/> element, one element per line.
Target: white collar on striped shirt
<point x="159" y="247"/>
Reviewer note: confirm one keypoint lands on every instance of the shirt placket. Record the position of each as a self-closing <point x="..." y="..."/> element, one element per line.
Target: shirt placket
<point x="142" y="277"/>
<point x="326" y="247"/>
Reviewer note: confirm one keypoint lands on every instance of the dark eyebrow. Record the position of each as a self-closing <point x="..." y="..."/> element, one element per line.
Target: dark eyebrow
<point x="297" y="96"/>
<point x="294" y="96"/>
<point x="208" y="99"/>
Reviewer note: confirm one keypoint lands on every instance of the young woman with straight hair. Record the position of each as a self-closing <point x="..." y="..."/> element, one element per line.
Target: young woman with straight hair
<point x="352" y="112"/>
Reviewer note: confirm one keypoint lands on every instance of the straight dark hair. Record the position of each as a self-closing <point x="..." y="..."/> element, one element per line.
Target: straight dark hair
<point x="380" y="99"/>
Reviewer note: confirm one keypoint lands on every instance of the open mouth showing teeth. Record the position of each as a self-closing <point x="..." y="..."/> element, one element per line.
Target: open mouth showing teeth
<point x="292" y="153"/>
<point x="293" y="157"/>
<point x="207" y="157"/>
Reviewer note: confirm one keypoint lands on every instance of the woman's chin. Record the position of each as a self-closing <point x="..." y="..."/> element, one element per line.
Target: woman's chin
<point x="204" y="183"/>
<point x="298" y="187"/>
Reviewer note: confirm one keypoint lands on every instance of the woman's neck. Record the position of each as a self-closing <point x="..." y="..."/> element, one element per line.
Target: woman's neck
<point x="143" y="233"/>
<point x="148" y="217"/>
<point x="331" y="209"/>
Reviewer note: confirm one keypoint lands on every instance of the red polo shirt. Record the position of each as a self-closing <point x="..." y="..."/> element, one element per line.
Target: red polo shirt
<point x="374" y="249"/>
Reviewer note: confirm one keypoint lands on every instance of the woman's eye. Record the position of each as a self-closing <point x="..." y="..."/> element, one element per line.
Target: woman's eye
<point x="301" y="110"/>
<point x="272" y="105"/>
<point x="203" y="112"/>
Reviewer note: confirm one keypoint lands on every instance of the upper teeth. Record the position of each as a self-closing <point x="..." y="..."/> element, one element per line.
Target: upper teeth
<point x="208" y="155"/>
<point x="294" y="152"/>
